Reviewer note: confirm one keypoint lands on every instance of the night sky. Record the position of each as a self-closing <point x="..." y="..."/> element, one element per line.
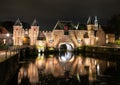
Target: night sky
<point x="48" y="12"/>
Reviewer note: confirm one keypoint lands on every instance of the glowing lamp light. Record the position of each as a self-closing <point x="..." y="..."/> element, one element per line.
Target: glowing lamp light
<point x="97" y="38"/>
<point x="79" y="40"/>
<point x="7" y="34"/>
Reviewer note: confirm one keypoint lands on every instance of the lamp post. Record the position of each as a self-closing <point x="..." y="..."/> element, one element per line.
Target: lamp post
<point x="7" y="34"/>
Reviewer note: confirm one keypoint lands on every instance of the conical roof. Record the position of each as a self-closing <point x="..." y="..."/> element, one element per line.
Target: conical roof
<point x="77" y="26"/>
<point x="34" y="23"/>
<point x="80" y="27"/>
<point x="41" y="36"/>
<point x="95" y="21"/>
<point x="18" y="23"/>
<point x="89" y="21"/>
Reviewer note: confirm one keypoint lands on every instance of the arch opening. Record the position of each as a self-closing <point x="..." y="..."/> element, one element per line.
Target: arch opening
<point x="66" y="47"/>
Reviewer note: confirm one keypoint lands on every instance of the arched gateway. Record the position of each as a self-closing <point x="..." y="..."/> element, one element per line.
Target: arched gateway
<point x="66" y="46"/>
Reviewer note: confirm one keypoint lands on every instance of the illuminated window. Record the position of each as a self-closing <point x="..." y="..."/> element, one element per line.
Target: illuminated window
<point x="79" y="40"/>
<point x="50" y="41"/>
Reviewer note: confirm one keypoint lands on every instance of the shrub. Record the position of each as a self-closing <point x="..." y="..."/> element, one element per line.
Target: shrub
<point x="117" y="42"/>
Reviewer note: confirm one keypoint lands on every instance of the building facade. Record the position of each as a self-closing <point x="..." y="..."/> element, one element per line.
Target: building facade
<point x="73" y="36"/>
<point x="64" y="33"/>
<point x="23" y="36"/>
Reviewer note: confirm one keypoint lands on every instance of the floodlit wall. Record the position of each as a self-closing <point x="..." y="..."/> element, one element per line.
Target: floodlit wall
<point x="18" y="34"/>
<point x="101" y="37"/>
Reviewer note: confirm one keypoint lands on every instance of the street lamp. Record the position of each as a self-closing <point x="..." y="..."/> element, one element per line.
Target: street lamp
<point x="7" y="34"/>
<point x="8" y="41"/>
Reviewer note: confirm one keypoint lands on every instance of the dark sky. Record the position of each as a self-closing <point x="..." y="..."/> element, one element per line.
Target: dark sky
<point x="48" y="12"/>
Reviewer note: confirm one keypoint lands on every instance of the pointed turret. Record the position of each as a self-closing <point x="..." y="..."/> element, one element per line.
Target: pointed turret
<point x="77" y="26"/>
<point x="89" y="21"/>
<point x="96" y="22"/>
<point x="34" y="23"/>
<point x="89" y="24"/>
<point x="95" y="25"/>
<point x="41" y="36"/>
<point x="18" y="23"/>
<point x="56" y="25"/>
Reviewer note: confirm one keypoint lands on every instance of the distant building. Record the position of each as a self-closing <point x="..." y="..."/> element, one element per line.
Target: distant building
<point x="5" y="36"/>
<point x="110" y="38"/>
<point x="110" y="35"/>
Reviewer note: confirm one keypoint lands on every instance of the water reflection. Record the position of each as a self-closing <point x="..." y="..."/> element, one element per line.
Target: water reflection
<point x="62" y="68"/>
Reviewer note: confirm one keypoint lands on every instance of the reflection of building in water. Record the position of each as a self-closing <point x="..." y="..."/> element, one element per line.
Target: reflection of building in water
<point x="78" y="66"/>
<point x="30" y="73"/>
<point x="40" y="61"/>
<point x="33" y="73"/>
<point x="72" y="67"/>
<point x="91" y="64"/>
<point x="65" y="59"/>
<point x="22" y="73"/>
<point x="53" y="67"/>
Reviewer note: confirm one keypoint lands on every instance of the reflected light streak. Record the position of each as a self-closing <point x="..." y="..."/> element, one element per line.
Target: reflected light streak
<point x="49" y="66"/>
<point x="98" y="69"/>
<point x="33" y="73"/>
<point x="77" y="66"/>
<point x="66" y="57"/>
<point x="40" y="61"/>
<point x="20" y="75"/>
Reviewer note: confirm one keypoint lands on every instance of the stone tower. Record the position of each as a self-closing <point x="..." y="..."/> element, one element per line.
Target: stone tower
<point x="18" y="33"/>
<point x="90" y="31"/>
<point x="89" y="24"/>
<point x="33" y="32"/>
<point x="95" y="25"/>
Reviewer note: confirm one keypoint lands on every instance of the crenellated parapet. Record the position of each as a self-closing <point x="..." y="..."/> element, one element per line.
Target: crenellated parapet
<point x="64" y="32"/>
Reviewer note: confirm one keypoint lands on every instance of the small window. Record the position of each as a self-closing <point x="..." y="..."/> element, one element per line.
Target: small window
<point x="86" y="35"/>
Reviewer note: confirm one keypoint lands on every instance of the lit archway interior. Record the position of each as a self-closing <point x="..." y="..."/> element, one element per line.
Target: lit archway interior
<point x="66" y="47"/>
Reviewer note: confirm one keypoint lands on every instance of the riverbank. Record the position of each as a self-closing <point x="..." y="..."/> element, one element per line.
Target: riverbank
<point x="114" y="50"/>
<point x="10" y="58"/>
<point x="8" y="67"/>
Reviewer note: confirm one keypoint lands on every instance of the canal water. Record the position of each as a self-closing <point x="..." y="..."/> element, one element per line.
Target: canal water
<point x="67" y="68"/>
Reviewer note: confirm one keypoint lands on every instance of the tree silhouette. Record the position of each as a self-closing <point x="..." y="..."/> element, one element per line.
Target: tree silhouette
<point x="9" y="25"/>
<point x="0" y="30"/>
<point x="114" y="24"/>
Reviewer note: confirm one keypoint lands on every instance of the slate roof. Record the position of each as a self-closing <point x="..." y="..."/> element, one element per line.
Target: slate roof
<point x="60" y="25"/>
<point x="18" y="23"/>
<point x="35" y="23"/>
